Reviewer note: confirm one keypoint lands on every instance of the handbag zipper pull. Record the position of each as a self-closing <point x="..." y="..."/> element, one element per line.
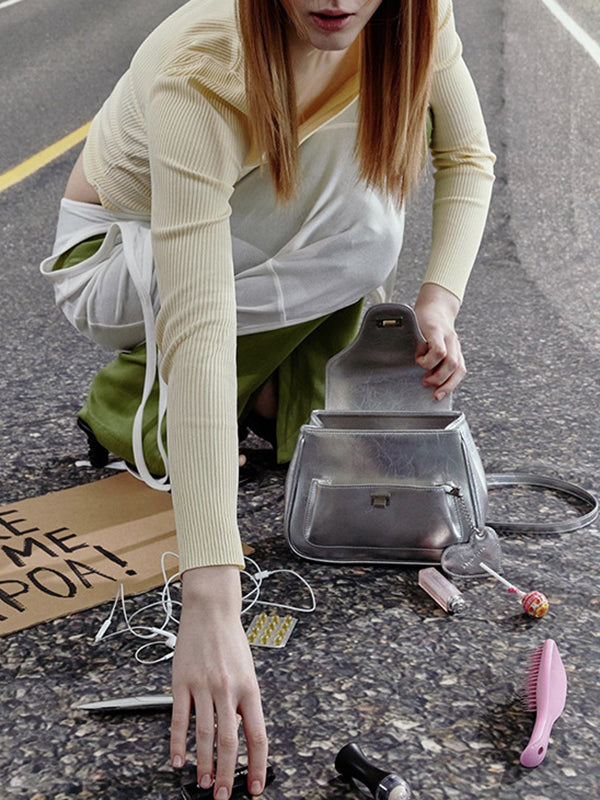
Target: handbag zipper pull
<point x="452" y="489"/>
<point x="455" y="491"/>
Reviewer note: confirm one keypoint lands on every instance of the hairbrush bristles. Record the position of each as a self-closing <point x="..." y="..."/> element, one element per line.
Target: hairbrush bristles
<point x="528" y="691"/>
<point x="545" y="692"/>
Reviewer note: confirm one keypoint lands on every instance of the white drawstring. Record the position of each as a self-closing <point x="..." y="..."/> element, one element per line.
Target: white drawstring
<point x="140" y="270"/>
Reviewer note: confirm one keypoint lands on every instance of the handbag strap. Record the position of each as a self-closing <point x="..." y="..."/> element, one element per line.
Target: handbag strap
<point x="499" y="480"/>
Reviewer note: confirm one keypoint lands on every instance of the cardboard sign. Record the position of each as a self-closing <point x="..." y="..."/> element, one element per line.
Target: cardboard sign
<point x="70" y="550"/>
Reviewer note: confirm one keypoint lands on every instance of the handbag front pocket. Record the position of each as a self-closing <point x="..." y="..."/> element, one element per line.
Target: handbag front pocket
<point x="380" y="522"/>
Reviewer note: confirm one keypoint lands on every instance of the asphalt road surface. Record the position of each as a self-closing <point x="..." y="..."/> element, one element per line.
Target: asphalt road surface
<point x="530" y="329"/>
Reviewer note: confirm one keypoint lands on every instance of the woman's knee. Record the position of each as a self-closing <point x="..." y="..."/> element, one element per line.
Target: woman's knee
<point x="266" y="400"/>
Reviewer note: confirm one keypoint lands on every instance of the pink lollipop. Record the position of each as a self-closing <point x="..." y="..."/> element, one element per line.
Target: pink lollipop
<point x="535" y="604"/>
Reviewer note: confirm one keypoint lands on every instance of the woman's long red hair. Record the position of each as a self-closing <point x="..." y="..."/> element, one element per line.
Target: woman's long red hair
<point x="396" y="66"/>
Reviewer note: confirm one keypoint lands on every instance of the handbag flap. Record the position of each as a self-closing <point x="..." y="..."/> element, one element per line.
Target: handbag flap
<point x="377" y="371"/>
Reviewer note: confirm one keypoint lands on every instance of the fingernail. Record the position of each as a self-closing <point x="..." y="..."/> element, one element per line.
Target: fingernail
<point x="178" y="762"/>
<point x="222" y="794"/>
<point x="256" y="788"/>
<point x="441" y="395"/>
<point x="206" y="782"/>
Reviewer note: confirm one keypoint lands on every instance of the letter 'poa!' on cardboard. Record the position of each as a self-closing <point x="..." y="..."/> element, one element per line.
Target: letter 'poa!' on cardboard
<point x="69" y="550"/>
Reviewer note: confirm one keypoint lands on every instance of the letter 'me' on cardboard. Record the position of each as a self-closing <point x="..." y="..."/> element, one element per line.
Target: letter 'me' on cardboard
<point x="70" y="550"/>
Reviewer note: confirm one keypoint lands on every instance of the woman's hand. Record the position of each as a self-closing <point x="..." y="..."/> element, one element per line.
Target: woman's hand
<point x="213" y="671"/>
<point x="436" y="309"/>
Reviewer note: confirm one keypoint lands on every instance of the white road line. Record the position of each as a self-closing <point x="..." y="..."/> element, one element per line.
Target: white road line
<point x="576" y="31"/>
<point x="6" y="3"/>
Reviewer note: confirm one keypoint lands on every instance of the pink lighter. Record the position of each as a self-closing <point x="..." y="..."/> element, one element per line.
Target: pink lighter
<point x="443" y="592"/>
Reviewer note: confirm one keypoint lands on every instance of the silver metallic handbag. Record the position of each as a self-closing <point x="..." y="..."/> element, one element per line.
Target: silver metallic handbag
<point x="386" y="474"/>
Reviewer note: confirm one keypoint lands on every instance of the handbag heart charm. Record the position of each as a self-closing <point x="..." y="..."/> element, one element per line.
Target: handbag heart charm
<point x="463" y="560"/>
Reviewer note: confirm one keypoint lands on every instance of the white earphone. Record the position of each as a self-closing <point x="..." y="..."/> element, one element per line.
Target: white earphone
<point x="159" y="635"/>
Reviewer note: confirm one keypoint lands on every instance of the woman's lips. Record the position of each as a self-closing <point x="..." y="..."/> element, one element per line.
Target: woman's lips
<point x="330" y="21"/>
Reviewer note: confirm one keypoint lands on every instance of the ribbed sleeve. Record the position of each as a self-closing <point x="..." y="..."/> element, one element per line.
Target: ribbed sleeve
<point x="462" y="162"/>
<point x="195" y="152"/>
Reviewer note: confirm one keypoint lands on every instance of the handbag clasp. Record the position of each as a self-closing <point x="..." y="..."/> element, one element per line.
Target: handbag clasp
<point x="381" y="500"/>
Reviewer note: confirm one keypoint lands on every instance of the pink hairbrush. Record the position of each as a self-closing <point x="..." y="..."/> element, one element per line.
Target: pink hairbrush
<point x="545" y="691"/>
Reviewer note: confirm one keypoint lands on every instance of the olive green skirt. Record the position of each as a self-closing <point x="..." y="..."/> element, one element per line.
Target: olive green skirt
<point x="297" y="355"/>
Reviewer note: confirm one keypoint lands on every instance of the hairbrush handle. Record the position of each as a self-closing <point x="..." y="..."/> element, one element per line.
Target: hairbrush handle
<point x="535" y="752"/>
<point x="547" y="692"/>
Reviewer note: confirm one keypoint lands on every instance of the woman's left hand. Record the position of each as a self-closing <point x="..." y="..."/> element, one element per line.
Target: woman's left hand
<point x="436" y="309"/>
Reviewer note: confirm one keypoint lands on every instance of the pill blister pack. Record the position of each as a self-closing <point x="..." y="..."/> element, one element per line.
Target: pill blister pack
<point x="270" y="630"/>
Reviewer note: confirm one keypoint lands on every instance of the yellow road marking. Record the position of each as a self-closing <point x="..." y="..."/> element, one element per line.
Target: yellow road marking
<point x="39" y="160"/>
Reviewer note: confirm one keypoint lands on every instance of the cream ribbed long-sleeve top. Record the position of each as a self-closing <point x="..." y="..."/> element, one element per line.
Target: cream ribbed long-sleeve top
<point x="172" y="141"/>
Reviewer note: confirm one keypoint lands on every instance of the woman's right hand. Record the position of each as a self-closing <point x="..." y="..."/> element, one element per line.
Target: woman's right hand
<point x="213" y="671"/>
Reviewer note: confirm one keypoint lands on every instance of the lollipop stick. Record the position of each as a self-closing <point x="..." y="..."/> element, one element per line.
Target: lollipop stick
<point x="535" y="604"/>
<point x="495" y="575"/>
